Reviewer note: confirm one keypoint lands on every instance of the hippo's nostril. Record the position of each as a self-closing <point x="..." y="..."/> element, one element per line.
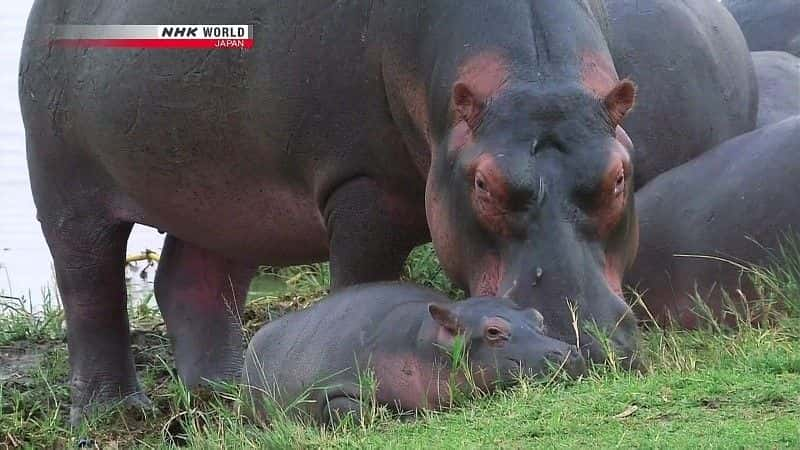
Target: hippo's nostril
<point x="538" y="276"/>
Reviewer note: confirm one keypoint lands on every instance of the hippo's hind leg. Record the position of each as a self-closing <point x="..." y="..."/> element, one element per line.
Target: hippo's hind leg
<point x="89" y="255"/>
<point x="369" y="238"/>
<point x="201" y="296"/>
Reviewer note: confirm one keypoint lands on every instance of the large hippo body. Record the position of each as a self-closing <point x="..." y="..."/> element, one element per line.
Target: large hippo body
<point x="768" y="24"/>
<point x="778" y="76"/>
<point x="734" y="202"/>
<point x="697" y="87"/>
<point x="351" y="131"/>
<point x="398" y="339"/>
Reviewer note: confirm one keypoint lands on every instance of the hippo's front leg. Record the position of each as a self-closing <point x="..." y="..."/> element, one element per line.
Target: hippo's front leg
<point x="201" y="296"/>
<point x="370" y="233"/>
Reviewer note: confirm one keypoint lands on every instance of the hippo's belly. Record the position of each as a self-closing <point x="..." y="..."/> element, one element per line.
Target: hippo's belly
<point x="270" y="225"/>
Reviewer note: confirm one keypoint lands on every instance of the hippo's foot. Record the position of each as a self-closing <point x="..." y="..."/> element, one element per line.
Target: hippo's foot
<point x="88" y="399"/>
<point x="201" y="296"/>
<point x="225" y="368"/>
<point x="337" y="409"/>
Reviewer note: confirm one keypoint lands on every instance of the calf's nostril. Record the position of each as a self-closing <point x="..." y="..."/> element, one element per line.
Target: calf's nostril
<point x="570" y="360"/>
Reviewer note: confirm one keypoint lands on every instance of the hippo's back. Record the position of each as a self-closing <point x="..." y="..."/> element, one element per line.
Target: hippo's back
<point x="198" y="141"/>
<point x="768" y="24"/>
<point x="734" y="202"/>
<point x="697" y="86"/>
<point x="778" y="86"/>
<point x="736" y="187"/>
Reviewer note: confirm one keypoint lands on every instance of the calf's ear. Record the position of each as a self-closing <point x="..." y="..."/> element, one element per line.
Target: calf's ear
<point x="619" y="101"/>
<point x="446" y="318"/>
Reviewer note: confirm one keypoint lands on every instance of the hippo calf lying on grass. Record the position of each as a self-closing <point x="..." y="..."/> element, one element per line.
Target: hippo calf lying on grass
<point x="732" y="203"/>
<point x="404" y="336"/>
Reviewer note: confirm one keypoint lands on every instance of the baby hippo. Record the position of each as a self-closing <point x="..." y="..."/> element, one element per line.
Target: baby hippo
<point x="402" y="334"/>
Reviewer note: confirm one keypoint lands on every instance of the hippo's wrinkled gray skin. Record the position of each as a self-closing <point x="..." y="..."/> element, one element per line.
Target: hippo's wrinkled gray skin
<point x="778" y="76"/>
<point x="768" y="24"/>
<point x="697" y="87"/>
<point x="352" y="131"/>
<point x="401" y="335"/>
<point x="733" y="202"/>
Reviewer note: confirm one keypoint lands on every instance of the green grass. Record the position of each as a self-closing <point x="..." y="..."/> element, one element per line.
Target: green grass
<point x="712" y="388"/>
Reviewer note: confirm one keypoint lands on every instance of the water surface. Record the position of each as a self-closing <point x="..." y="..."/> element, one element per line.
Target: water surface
<point x="25" y="262"/>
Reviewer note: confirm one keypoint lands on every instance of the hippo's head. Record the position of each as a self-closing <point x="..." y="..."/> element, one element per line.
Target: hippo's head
<point x="531" y="198"/>
<point x="503" y="340"/>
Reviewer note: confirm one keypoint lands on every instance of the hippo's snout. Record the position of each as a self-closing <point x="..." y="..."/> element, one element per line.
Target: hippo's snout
<point x="569" y="360"/>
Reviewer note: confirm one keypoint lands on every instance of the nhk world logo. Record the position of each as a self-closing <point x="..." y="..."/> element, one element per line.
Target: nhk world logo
<point x="154" y="36"/>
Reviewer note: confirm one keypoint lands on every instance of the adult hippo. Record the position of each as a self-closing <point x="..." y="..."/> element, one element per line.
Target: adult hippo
<point x="778" y="76"/>
<point x="403" y="335"/>
<point x="697" y="86"/>
<point x="732" y="203"/>
<point x="768" y="24"/>
<point x="353" y="131"/>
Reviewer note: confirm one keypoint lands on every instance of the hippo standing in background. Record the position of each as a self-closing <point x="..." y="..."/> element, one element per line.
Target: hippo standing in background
<point x="403" y="335"/>
<point x="697" y="87"/>
<point x="732" y="202"/>
<point x="768" y="24"/>
<point x="778" y="76"/>
<point x="352" y="131"/>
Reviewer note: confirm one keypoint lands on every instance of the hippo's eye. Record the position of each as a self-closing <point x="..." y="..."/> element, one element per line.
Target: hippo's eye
<point x="495" y="334"/>
<point x="619" y="184"/>
<point x="480" y="183"/>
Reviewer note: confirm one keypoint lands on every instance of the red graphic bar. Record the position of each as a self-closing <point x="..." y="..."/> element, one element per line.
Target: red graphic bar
<point x="154" y="43"/>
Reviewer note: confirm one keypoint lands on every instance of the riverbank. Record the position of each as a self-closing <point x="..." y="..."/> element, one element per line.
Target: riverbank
<point x="710" y="388"/>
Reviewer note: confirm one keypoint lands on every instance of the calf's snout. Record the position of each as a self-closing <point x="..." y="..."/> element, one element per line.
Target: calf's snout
<point x="568" y="359"/>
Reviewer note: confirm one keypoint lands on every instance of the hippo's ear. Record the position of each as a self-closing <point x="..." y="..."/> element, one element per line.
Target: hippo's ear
<point x="620" y="100"/>
<point x="445" y="317"/>
<point x="468" y="106"/>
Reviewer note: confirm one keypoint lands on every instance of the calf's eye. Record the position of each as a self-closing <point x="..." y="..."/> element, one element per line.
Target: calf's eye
<point x="495" y="334"/>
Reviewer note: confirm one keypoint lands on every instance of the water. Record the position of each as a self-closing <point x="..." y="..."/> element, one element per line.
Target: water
<point x="25" y="262"/>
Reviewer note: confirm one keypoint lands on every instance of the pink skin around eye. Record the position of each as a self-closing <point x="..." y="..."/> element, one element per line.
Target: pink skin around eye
<point x="611" y="198"/>
<point x="490" y="195"/>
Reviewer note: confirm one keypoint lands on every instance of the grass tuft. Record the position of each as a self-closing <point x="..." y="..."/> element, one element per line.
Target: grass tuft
<point x="715" y="387"/>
